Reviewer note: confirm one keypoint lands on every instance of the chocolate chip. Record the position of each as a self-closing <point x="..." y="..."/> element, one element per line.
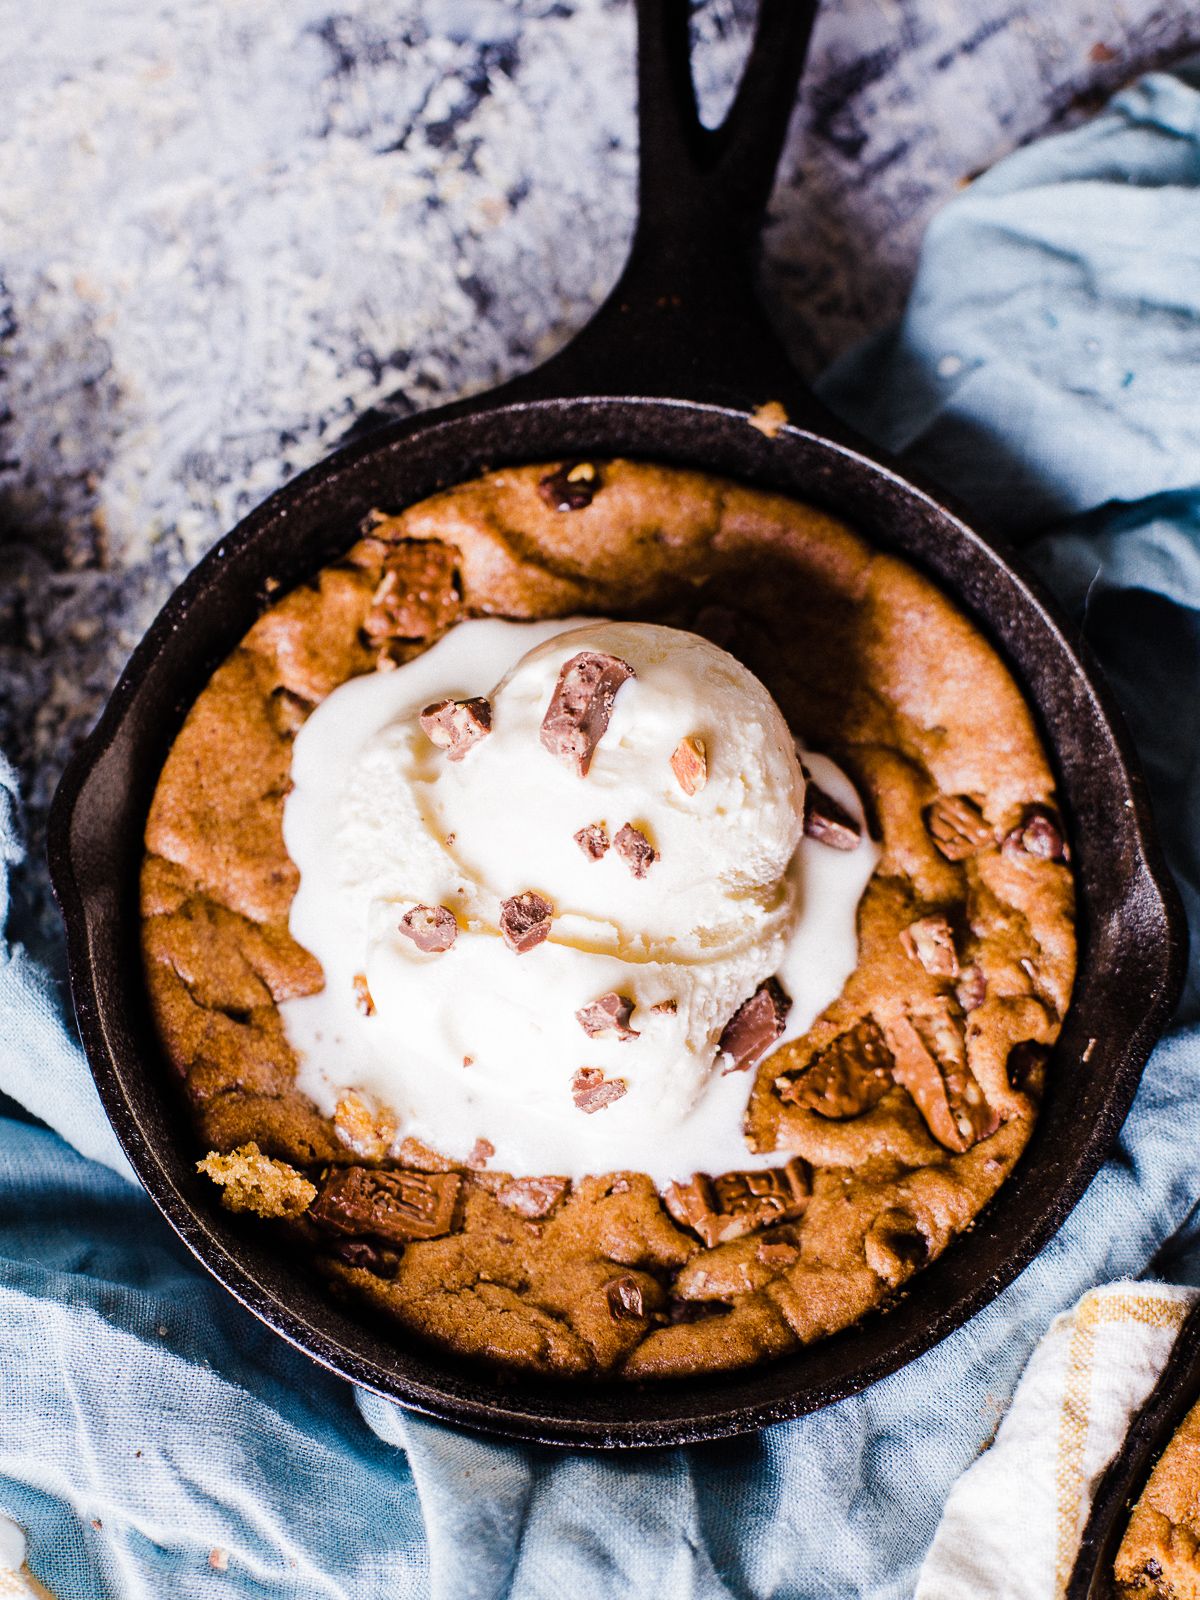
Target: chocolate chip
<point x="737" y="1203"/>
<point x="418" y="596"/>
<point x="572" y="487"/>
<point x="1026" y="1067"/>
<point x="367" y="1257"/>
<point x="581" y="705"/>
<point x="362" y="995"/>
<point x="635" y="850"/>
<point x="689" y="763"/>
<point x="592" y="840"/>
<point x="929" y="1061"/>
<point x="930" y="940"/>
<point x="394" y="1206"/>
<point x="1038" y="834"/>
<point x="754" y="1026"/>
<point x="455" y="725"/>
<point x="525" y="920"/>
<point x="482" y="1152"/>
<point x="971" y="989"/>
<point x="846" y="1079"/>
<point x="626" y="1302"/>
<point x="431" y="928"/>
<point x="828" y="822"/>
<point x="592" y="1091"/>
<point x="532" y="1197"/>
<point x="957" y="827"/>
<point x="609" y="1014"/>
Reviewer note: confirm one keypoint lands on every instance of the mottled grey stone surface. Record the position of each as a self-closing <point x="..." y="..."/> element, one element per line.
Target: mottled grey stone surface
<point x="227" y="227"/>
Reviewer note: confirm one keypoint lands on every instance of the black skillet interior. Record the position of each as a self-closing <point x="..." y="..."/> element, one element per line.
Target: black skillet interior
<point x="1125" y="1477"/>
<point x="668" y="370"/>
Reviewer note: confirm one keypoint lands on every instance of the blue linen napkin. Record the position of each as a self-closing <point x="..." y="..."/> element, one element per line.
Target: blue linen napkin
<point x="155" y="1440"/>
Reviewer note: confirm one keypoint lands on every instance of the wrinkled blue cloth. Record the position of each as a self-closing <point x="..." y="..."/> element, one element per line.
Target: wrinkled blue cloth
<point x="1047" y="372"/>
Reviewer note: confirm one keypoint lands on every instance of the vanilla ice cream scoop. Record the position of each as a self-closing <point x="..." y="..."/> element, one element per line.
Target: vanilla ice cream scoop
<point x="560" y="860"/>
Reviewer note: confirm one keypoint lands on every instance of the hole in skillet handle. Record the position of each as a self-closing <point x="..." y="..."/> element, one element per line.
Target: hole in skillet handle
<point x="1125" y="1478"/>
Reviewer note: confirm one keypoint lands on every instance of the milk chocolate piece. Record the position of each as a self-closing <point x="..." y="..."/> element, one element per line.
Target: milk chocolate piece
<point x="957" y="827"/>
<point x="431" y="928"/>
<point x="625" y="1299"/>
<point x="754" y="1026"/>
<point x="592" y="840"/>
<point x="572" y="487"/>
<point x="929" y="1061"/>
<point x="609" y="1014"/>
<point x="845" y="1079"/>
<point x="455" y="725"/>
<point x="367" y="1257"/>
<point x="828" y="822"/>
<point x="635" y="850"/>
<point x="737" y="1203"/>
<point x="779" y="1256"/>
<point x="418" y="596"/>
<point x="482" y="1152"/>
<point x="930" y="940"/>
<point x="592" y="1091"/>
<point x="1038" y="834"/>
<point x="689" y="763"/>
<point x="1026" y="1067"/>
<point x="525" y="920"/>
<point x="581" y="705"/>
<point x="532" y="1197"/>
<point x="393" y="1206"/>
<point x="362" y="995"/>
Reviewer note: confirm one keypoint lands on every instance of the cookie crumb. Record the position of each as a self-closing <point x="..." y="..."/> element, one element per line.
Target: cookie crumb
<point x="251" y="1181"/>
<point x="770" y="419"/>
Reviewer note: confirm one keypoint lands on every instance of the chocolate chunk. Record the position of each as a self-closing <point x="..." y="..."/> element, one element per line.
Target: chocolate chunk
<point x="1153" y="1568"/>
<point x="635" y="850"/>
<point x="482" y="1152"/>
<point x="592" y="1091"/>
<point x="592" y="840"/>
<point x="581" y="705"/>
<point x="689" y="763"/>
<point x="754" y="1026"/>
<point x="737" y="1203"/>
<point x="895" y="1245"/>
<point x="431" y="928"/>
<point x="957" y="827"/>
<point x="609" y="1014"/>
<point x="394" y="1206"/>
<point x="684" y="1311"/>
<point x="572" y="487"/>
<point x="1038" y="834"/>
<point x="525" y="920"/>
<point x="971" y="989"/>
<point x="455" y="725"/>
<point x="625" y="1299"/>
<point x="828" y="822"/>
<point x="1026" y="1067"/>
<point x="367" y="1257"/>
<point x="929" y="1061"/>
<point x="532" y="1197"/>
<point x="418" y="596"/>
<point x="845" y="1079"/>
<point x="930" y="940"/>
<point x="362" y="995"/>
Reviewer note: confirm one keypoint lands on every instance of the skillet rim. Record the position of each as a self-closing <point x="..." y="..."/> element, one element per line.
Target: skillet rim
<point x="711" y="1418"/>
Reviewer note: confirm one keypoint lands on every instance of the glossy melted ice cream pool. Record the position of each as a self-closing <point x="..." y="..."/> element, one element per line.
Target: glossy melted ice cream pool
<point x="543" y="866"/>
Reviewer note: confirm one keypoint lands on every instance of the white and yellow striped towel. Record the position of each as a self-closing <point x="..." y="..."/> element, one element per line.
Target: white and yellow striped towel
<point x="1013" y="1521"/>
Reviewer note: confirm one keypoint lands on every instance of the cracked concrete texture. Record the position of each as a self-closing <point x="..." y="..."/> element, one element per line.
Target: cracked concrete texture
<point x="228" y="228"/>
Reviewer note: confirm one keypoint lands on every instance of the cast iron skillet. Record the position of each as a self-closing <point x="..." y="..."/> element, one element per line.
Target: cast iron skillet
<point x="1126" y="1475"/>
<point x="668" y="370"/>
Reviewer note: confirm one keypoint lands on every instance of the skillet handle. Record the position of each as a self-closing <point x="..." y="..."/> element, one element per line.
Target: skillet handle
<point x="683" y="321"/>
